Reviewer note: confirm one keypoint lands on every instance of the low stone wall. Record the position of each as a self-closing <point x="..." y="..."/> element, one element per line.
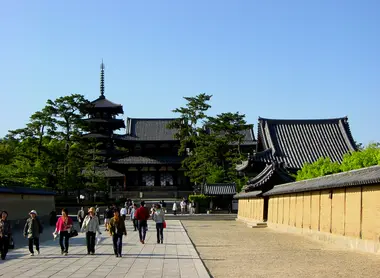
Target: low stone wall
<point x="18" y="206"/>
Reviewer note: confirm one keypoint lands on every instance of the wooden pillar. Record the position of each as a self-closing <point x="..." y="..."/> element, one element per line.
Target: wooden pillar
<point x="126" y="178"/>
<point x="157" y="176"/>
<point x="175" y="176"/>
<point x="139" y="176"/>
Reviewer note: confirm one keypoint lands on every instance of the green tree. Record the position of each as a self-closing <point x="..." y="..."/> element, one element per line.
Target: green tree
<point x="369" y="156"/>
<point x="68" y="113"/>
<point x="323" y="166"/>
<point x="212" y="144"/>
<point x="43" y="153"/>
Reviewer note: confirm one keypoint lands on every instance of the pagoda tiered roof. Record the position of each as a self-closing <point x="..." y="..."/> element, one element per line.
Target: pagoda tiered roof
<point x="102" y="103"/>
<point x="114" y="123"/>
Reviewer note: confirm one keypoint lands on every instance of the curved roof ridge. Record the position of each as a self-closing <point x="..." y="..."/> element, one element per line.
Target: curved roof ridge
<point x="152" y="119"/>
<point x="303" y="120"/>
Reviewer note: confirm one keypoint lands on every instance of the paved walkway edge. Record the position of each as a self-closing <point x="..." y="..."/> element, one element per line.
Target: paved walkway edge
<point x="199" y="256"/>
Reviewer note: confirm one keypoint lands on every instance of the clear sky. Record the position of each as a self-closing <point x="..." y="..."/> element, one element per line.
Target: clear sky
<point x="274" y="59"/>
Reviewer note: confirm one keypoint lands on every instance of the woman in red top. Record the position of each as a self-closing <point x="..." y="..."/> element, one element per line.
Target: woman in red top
<point x="63" y="226"/>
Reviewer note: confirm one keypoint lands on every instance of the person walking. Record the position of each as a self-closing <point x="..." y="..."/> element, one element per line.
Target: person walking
<point x="142" y="216"/>
<point x="32" y="231"/>
<point x="117" y="230"/>
<point x="63" y="227"/>
<point x="91" y="226"/>
<point x="123" y="213"/>
<point x="133" y="219"/>
<point x="183" y="206"/>
<point x="175" y="208"/>
<point x="108" y="214"/>
<point x="163" y="205"/>
<point x="158" y="216"/>
<point x="80" y="217"/>
<point x="97" y="212"/>
<point x="5" y="234"/>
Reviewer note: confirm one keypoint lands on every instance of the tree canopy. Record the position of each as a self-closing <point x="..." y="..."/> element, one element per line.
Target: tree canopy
<point x="49" y="151"/>
<point x="365" y="157"/>
<point x="212" y="144"/>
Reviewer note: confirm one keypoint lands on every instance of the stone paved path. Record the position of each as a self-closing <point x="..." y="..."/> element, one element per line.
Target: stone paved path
<point x="175" y="258"/>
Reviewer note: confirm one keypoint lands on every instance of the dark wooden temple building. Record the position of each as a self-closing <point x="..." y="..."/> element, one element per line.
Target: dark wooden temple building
<point x="152" y="167"/>
<point x="284" y="146"/>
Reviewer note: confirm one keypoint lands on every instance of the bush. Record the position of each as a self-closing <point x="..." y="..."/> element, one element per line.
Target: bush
<point x="199" y="198"/>
<point x="370" y="156"/>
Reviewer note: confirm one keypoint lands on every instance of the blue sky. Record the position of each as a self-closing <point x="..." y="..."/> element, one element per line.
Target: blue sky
<point x="274" y="59"/>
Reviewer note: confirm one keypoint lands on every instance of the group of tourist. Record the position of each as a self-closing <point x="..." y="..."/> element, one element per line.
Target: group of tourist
<point x="90" y="225"/>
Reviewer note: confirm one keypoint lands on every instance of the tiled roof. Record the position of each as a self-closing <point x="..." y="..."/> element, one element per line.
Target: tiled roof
<point x="295" y="142"/>
<point x="149" y="130"/>
<point x="142" y="160"/>
<point x="243" y="195"/>
<point x="25" y="190"/>
<point x="220" y="189"/>
<point x="103" y="103"/>
<point x="95" y="135"/>
<point x="249" y="137"/>
<point x="107" y="172"/>
<point x="266" y="174"/>
<point x="365" y="176"/>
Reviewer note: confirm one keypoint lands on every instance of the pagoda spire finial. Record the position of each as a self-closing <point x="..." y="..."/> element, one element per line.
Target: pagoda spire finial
<point x="102" y="79"/>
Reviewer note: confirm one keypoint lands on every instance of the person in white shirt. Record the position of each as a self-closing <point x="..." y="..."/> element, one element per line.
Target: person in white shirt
<point x="183" y="207"/>
<point x="175" y="208"/>
<point x="123" y="213"/>
<point x="91" y="226"/>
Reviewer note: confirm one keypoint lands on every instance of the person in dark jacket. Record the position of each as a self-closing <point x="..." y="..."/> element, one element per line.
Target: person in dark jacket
<point x="117" y="230"/>
<point x="5" y="234"/>
<point x="142" y="215"/>
<point x="32" y="231"/>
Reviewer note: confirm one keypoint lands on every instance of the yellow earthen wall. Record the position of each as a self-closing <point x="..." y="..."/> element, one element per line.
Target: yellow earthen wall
<point x="292" y="212"/>
<point x="353" y="208"/>
<point x="371" y="213"/>
<point x="270" y="210"/>
<point x="315" y="210"/>
<point x="338" y="212"/>
<point x="251" y="209"/>
<point x="325" y="216"/>
<point x="353" y="212"/>
<point x="280" y="209"/>
<point x="286" y="209"/>
<point x="275" y="209"/>
<point x="299" y="210"/>
<point x="306" y="218"/>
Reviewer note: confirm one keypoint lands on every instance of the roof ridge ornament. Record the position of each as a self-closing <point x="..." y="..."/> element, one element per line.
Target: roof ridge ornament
<point x="102" y="80"/>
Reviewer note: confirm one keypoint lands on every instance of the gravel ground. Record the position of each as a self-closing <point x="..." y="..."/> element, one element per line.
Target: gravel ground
<point x="231" y="249"/>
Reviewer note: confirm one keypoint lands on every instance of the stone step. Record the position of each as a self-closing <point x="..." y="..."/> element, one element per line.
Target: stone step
<point x="257" y="225"/>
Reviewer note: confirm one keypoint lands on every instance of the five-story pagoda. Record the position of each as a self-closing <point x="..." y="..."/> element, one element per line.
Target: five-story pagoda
<point x="102" y="121"/>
